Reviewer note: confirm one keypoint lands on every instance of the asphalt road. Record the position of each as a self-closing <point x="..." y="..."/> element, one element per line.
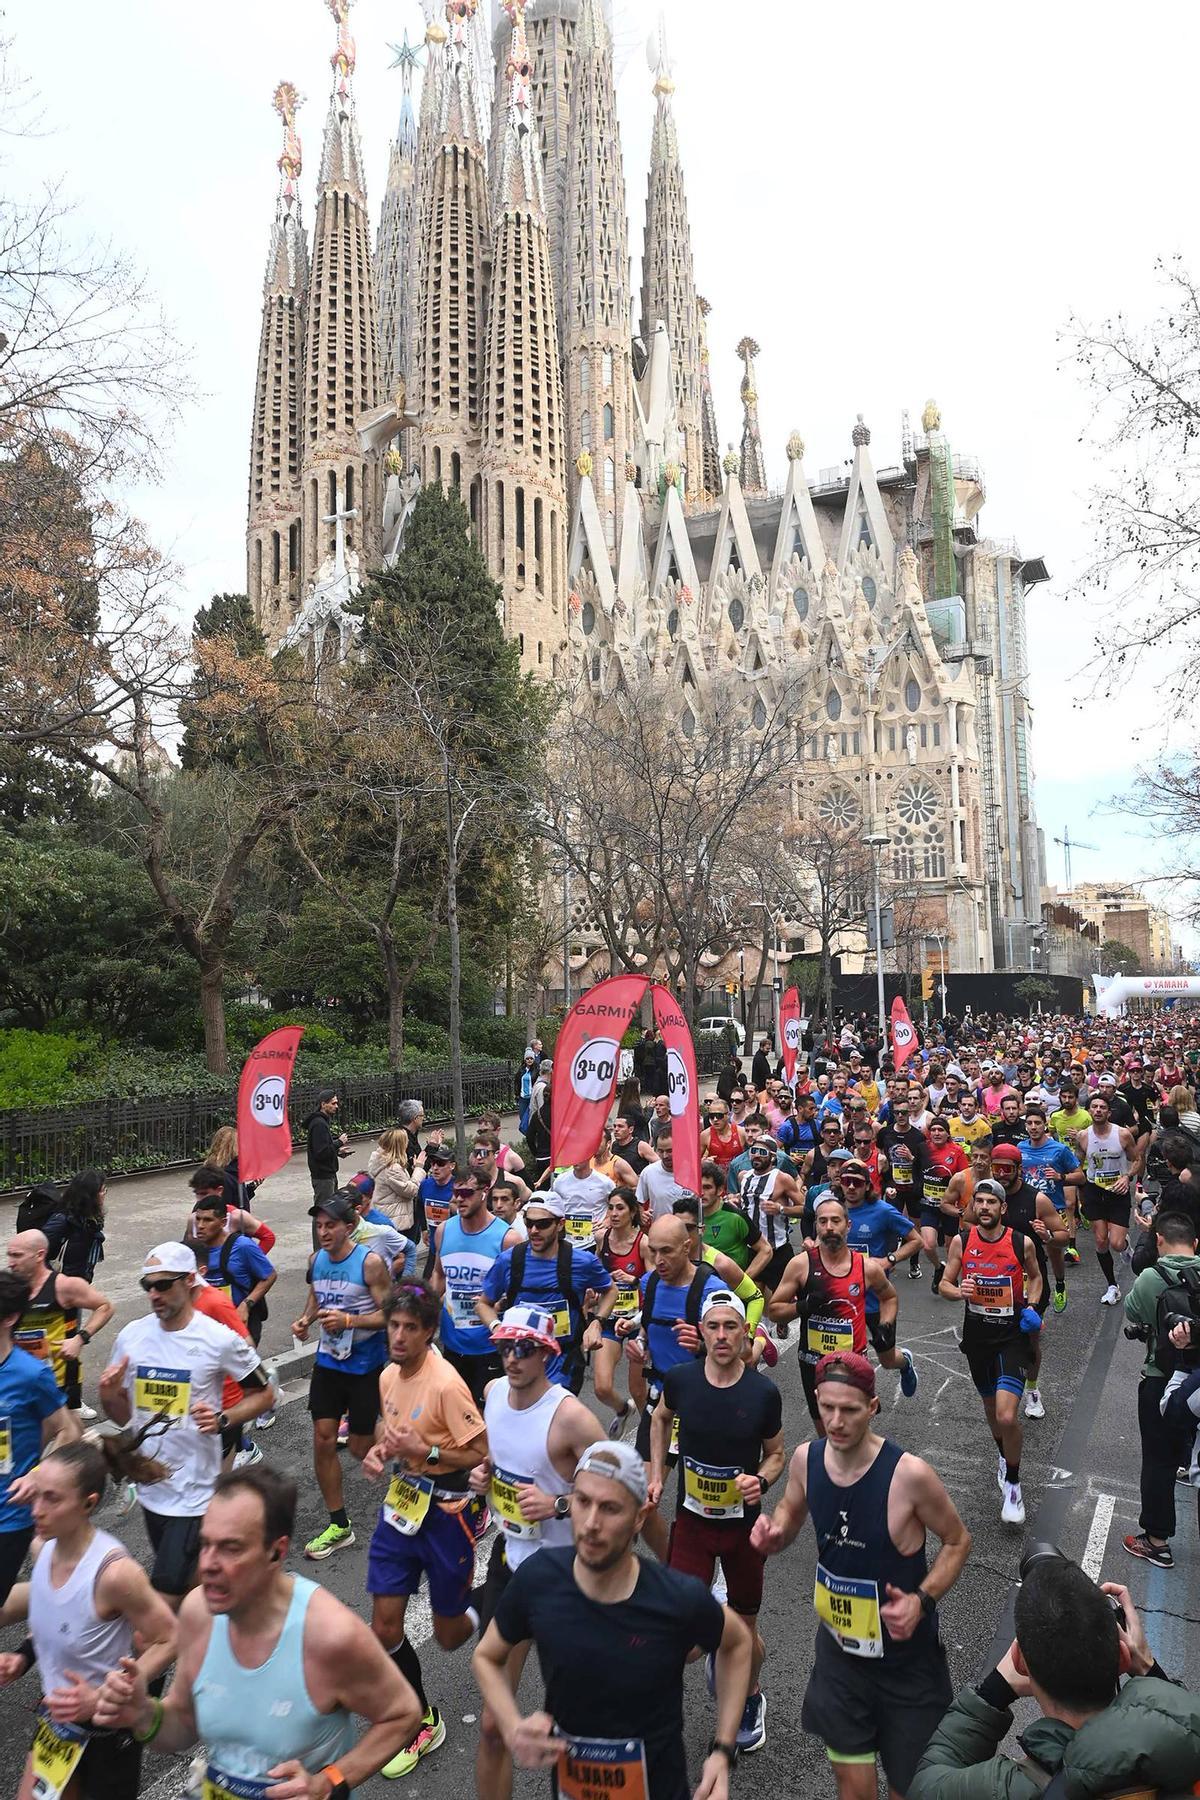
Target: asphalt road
<point x="1080" y="1476"/>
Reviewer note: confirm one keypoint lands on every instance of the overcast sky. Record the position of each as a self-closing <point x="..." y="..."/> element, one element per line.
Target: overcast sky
<point x="897" y="202"/>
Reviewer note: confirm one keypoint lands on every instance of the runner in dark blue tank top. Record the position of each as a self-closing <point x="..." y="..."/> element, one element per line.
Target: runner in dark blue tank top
<point x="879" y="1684"/>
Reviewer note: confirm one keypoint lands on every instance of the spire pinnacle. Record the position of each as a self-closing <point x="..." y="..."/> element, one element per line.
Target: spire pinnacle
<point x="344" y="57"/>
<point x="753" y="464"/>
<point x="287" y="102"/>
<point x="659" y="60"/>
<point x="460" y="116"/>
<point x="520" y="178"/>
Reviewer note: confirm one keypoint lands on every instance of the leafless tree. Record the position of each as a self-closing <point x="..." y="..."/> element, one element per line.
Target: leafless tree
<point x="824" y="871"/>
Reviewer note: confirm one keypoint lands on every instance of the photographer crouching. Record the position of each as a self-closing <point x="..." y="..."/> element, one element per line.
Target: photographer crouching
<point x="1095" y="1737"/>
<point x="1165" y="1294"/>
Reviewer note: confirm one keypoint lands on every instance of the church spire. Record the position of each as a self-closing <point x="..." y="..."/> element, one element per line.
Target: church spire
<point x="668" y="279"/>
<point x="342" y="362"/>
<point x="396" y="244"/>
<point x="753" y="468"/>
<point x="710" y="443"/>
<point x="273" y="522"/>
<point x="598" y="364"/>
<point x="453" y="293"/>
<point x="524" y="448"/>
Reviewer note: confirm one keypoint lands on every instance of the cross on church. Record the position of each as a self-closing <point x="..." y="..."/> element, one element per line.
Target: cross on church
<point x="339" y="518"/>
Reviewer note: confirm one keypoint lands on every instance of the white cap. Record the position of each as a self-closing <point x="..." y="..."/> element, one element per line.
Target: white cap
<point x="169" y="1259"/>
<point x="551" y="1203"/>
<point x="722" y="1297"/>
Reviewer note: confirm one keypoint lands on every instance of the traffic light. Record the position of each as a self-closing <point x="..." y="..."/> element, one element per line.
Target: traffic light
<point x="927" y="984"/>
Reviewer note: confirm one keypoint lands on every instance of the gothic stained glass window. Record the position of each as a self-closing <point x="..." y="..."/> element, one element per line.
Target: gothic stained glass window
<point x="912" y="694"/>
<point x="934" y="846"/>
<point x="587" y="618"/>
<point x="800" y="602"/>
<point x="759" y="714"/>
<point x="870" y="591"/>
<point x="833" y="704"/>
<point x="737" y="613"/>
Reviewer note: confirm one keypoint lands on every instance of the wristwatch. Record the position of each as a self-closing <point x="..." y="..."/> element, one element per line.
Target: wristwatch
<point x="562" y="1506"/>
<point x="433" y="1456"/>
<point x="222" y="1421"/>
<point x="729" y="1751"/>
<point x="891" y="1259"/>
<point x="928" y="1603"/>
<point x="339" y="1787"/>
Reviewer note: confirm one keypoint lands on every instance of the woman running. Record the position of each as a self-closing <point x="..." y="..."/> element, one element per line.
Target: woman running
<point x="622" y="1250"/>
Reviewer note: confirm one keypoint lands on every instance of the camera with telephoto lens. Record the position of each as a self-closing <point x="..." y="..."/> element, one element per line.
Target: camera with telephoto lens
<point x="1037" y="1551"/>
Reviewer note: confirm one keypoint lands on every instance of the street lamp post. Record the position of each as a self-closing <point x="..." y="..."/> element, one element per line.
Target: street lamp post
<point x="776" y="985"/>
<point x="940" y="941"/>
<point x="876" y="840"/>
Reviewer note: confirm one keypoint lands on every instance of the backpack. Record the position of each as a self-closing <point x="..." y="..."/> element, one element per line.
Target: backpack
<point x="1180" y="1298"/>
<point x="36" y="1210"/>
<point x="259" y="1313"/>
<point x="573" y="1359"/>
<point x="691" y="1304"/>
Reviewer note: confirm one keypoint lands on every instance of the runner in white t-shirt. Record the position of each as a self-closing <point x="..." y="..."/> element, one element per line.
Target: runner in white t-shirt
<point x="585" y="1192"/>
<point x="165" y="1382"/>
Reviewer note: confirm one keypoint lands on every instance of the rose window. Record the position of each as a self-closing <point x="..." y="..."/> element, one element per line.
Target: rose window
<point x="916" y="804"/>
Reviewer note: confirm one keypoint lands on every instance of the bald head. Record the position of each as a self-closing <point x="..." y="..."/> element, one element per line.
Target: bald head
<point x="27" y="1255"/>
<point x="670" y="1251"/>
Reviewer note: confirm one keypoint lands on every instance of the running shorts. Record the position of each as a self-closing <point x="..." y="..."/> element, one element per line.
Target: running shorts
<point x="443" y="1550"/>
<point x="861" y="1707"/>
<point x="697" y="1543"/>
<point x="1002" y="1366"/>
<point x="332" y="1393"/>
<point x="772" y="1275"/>
<point x="176" y="1545"/>
<point x="1103" y="1203"/>
<point x="476" y="1371"/>
<point x="13" y="1548"/>
<point x="934" y="1219"/>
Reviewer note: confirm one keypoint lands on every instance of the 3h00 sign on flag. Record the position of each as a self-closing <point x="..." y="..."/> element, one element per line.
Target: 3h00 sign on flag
<point x="587" y="1055"/>
<point x="264" y="1137"/>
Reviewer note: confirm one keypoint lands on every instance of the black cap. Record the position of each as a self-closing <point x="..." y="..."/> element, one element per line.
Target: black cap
<point x="439" y="1153"/>
<point x="336" y="1207"/>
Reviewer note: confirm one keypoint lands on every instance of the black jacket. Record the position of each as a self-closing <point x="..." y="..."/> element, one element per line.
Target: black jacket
<point x="760" y="1068"/>
<point x="323" y="1145"/>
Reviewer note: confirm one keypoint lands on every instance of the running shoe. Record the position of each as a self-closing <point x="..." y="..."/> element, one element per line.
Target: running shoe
<point x="194" y="1781"/>
<point x="343" y="1437"/>
<point x="1012" y="1512"/>
<point x="1001" y="1472"/>
<point x="431" y="1734"/>
<point x="1111" y="1295"/>
<point x="86" y="1413"/>
<point x="124" y="1499"/>
<point x="265" y="1420"/>
<point x="1083" y="1218"/>
<point x="620" y="1421"/>
<point x="1184" y="1477"/>
<point x="248" y="1455"/>
<point x="1033" y="1404"/>
<point x="1060" y="1299"/>
<point x="1139" y="1545"/>
<point x="908" y="1375"/>
<point x="752" y="1732"/>
<point x="770" y="1354"/>
<point x="1071" y="1254"/>
<point x="914" y="1268"/>
<point x="334" y="1537"/>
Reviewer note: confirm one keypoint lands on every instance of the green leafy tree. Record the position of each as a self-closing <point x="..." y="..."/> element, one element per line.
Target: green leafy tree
<point x="1034" y="991"/>
<point x="1118" y="959"/>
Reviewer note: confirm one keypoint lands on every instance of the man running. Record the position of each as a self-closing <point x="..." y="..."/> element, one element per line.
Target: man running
<point x="726" y="1228"/>
<point x="349" y="1286"/>
<point x="550" y="1273"/>
<point x="466" y="1245"/>
<point x="232" y="1263"/>
<point x="826" y="1288"/>
<point x="880" y="1230"/>
<point x="428" y="1524"/>
<point x="272" y="1669"/>
<point x="166" y="1379"/>
<point x="585" y="1193"/>
<point x="993" y="1270"/>
<point x="50" y="1328"/>
<point x="1051" y="1168"/>
<point x="730" y="1423"/>
<point x="85" y="1600"/>
<point x="946" y="1159"/>
<point x="34" y="1416"/>
<point x="536" y="1433"/>
<point x="1111" y="1165"/>
<point x="657" y="1186"/>
<point x="770" y="1200"/>
<point x="879" y="1684"/>
<point x="613" y="1632"/>
<point x="907" y="1152"/>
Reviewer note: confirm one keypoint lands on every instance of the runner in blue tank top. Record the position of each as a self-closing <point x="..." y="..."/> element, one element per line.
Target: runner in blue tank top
<point x="466" y="1246"/>
<point x="879" y="1684"/>
<point x="349" y="1285"/>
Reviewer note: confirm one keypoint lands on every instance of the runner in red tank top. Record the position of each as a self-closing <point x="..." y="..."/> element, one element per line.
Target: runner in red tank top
<point x="715" y="1147"/>
<point x="622" y="1251"/>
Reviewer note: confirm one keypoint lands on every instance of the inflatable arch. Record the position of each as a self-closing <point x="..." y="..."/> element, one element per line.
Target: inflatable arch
<point x="1112" y="991"/>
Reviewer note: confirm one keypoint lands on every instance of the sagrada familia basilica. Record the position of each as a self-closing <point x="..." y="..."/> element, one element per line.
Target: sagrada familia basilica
<point x="491" y="341"/>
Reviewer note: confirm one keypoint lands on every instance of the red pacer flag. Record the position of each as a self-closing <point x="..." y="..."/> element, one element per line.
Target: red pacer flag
<point x="904" y="1037"/>
<point x="264" y="1136"/>
<point x="683" y="1087"/>
<point x="587" y="1058"/>
<point x="789" y="1031"/>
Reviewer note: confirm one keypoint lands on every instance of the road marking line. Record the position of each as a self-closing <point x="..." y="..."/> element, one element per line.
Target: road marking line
<point x="1093" y="1555"/>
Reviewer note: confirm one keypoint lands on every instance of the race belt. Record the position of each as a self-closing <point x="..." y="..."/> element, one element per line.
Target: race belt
<point x="219" y="1786"/>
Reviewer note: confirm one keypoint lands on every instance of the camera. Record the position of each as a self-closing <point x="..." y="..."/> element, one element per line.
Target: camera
<point x="1141" y="1333"/>
<point x="1037" y="1551"/>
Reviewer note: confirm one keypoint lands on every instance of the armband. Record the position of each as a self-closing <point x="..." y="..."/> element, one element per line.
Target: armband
<point x="257" y="1378"/>
<point x="144" y="1737"/>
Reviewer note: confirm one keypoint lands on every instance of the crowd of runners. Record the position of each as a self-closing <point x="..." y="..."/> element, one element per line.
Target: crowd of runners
<point x="580" y="1366"/>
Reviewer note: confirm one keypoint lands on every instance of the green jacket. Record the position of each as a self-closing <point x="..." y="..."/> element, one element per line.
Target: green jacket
<point x="1148" y="1737"/>
<point x="1141" y="1302"/>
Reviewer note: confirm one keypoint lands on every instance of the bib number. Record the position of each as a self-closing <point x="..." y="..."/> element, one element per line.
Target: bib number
<point x="407" y="1502"/>
<point x="581" y="1232"/>
<point x="711" y="1491"/>
<point x="562" y="1321"/>
<point x="219" y="1786"/>
<point x="993" y="1297"/>
<point x="591" y="1767"/>
<point x="462" y="1307"/>
<point x="34" y="1343"/>
<point x="436" y="1213"/>
<point x="902" y="1174"/>
<point x="164" y="1391"/>
<point x="6" y="1446"/>
<point x="56" y="1753"/>
<point x="823" y="1336"/>
<point x="339" y="1345"/>
<point x="850" y="1611"/>
<point x="935" y="1187"/>
<point x="626" y="1302"/>
<point x="507" y="1507"/>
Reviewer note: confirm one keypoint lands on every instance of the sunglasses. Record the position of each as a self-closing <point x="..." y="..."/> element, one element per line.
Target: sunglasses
<point x="461" y="1193"/>
<point x="539" y="1224"/>
<point x="160" y="1287"/>
<point x="519" y="1351"/>
<point x="853" y="1181"/>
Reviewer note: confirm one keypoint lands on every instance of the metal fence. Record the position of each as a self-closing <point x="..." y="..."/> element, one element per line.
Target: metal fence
<point x="122" y="1136"/>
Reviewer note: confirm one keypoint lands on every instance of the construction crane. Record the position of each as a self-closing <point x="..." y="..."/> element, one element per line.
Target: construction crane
<point x="1068" y="844"/>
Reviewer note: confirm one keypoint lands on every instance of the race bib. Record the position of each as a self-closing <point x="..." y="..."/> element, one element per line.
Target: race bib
<point x="163" y="1391"/>
<point x="823" y="1336"/>
<point x="562" y="1321"/>
<point x="626" y="1301"/>
<point x="902" y="1174"/>
<point x="436" y="1213"/>
<point x="850" y="1610"/>
<point x="5" y="1446"/>
<point x="225" y="1289"/>
<point x="581" y="1232"/>
<point x="462" y="1306"/>
<point x="34" y="1343"/>
<point x="57" y="1749"/>
<point x="1102" y="1179"/>
<point x="219" y="1786"/>
<point x="337" y="1344"/>
<point x="407" y="1502"/>
<point x="591" y="1767"/>
<point x="507" y="1507"/>
<point x="936" y="1187"/>
<point x="993" y="1297"/>
<point x="673" y="1446"/>
<point x="711" y="1491"/>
